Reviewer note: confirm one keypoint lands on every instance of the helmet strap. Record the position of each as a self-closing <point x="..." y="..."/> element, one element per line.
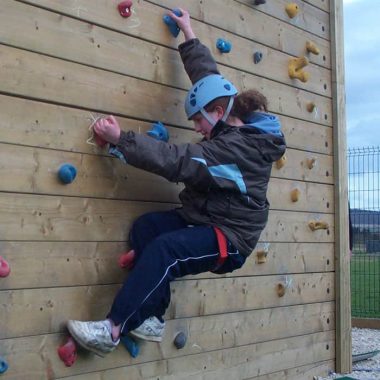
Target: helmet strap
<point x="208" y="117"/>
<point x="228" y="109"/>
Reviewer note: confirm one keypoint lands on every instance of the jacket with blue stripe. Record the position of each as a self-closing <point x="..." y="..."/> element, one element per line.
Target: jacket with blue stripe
<point x="225" y="178"/>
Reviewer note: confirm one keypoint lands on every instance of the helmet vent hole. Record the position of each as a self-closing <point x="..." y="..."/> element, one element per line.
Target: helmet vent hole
<point x="193" y="102"/>
<point x="227" y="87"/>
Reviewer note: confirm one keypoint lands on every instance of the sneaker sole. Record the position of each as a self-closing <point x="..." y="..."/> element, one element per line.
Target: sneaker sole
<point x="84" y="345"/>
<point x="148" y="338"/>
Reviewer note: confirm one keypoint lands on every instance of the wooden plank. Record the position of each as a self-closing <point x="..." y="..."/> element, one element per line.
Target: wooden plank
<point x="69" y="83"/>
<point x="255" y="26"/>
<point x="146" y="23"/>
<point x="343" y="297"/>
<point x="26" y="217"/>
<point x="105" y="49"/>
<point x="55" y="264"/>
<point x="27" y="363"/>
<point x="322" y="4"/>
<point x="50" y="126"/>
<point x="310" y="19"/>
<point x="48" y="309"/>
<point x="33" y="170"/>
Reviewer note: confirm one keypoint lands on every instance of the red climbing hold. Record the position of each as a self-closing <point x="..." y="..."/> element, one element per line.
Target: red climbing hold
<point x="126" y="260"/>
<point x="68" y="352"/>
<point x="125" y="8"/>
<point x="4" y="267"/>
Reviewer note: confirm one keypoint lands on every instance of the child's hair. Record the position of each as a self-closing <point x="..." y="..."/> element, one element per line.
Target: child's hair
<point x="244" y="104"/>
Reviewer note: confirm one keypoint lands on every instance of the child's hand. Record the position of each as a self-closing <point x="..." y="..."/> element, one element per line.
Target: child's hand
<point x="108" y="129"/>
<point x="184" y="23"/>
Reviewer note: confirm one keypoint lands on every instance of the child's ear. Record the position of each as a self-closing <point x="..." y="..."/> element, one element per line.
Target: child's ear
<point x="220" y="111"/>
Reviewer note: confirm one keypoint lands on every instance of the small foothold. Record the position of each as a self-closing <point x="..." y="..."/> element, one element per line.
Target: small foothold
<point x="311" y="162"/>
<point x="261" y="256"/>
<point x="281" y="162"/>
<point x="125" y="8"/>
<point x="67" y="173"/>
<point x="259" y="2"/>
<point x="257" y="57"/>
<point x="317" y="225"/>
<point x="3" y="365"/>
<point x="223" y="45"/>
<point x="68" y="352"/>
<point x="130" y="345"/>
<point x="172" y="25"/>
<point x="311" y="106"/>
<point x="295" y="195"/>
<point x="312" y="48"/>
<point x="281" y="288"/>
<point x="292" y="9"/>
<point x="295" y="67"/>
<point x="159" y="132"/>
<point x="126" y="260"/>
<point x="180" y="340"/>
<point x="4" y="267"/>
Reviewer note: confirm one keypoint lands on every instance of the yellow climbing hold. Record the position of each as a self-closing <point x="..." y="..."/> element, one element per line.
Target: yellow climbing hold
<point x="295" y="69"/>
<point x="311" y="162"/>
<point x="292" y="9"/>
<point x="295" y="195"/>
<point x="318" y="225"/>
<point x="281" y="162"/>
<point x="312" y="48"/>
<point x="281" y="288"/>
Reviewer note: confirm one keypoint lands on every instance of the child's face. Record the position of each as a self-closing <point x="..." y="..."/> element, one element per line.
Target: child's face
<point x="202" y="125"/>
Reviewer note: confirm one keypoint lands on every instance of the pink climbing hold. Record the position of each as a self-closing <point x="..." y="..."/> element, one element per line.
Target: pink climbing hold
<point x="68" y="352"/>
<point x="126" y="260"/>
<point x="4" y="267"/>
<point x="125" y="8"/>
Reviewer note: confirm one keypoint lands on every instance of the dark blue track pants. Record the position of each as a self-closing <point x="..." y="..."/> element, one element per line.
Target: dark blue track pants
<point x="166" y="248"/>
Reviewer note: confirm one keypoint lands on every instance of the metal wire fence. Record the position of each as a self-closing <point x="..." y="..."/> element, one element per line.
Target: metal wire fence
<point x="364" y="191"/>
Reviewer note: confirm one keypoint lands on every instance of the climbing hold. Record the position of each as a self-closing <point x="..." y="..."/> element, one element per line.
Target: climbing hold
<point x="292" y="9"/>
<point x="257" y="57"/>
<point x="311" y="106"/>
<point x="126" y="260"/>
<point x="172" y="25"/>
<point x="262" y="250"/>
<point x="68" y="352"/>
<point x="223" y="45"/>
<point x="281" y="162"/>
<point x="259" y="2"/>
<point x="311" y="162"/>
<point x="125" y="8"/>
<point x="295" y="69"/>
<point x="295" y="195"/>
<point x="67" y="173"/>
<point x="180" y="340"/>
<point x="130" y="345"/>
<point x="4" y="267"/>
<point x="281" y="288"/>
<point x="312" y="48"/>
<point x="159" y="132"/>
<point x="317" y="225"/>
<point x="3" y="365"/>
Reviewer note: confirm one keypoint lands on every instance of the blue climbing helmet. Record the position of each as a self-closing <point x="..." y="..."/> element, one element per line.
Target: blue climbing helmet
<point x="205" y="91"/>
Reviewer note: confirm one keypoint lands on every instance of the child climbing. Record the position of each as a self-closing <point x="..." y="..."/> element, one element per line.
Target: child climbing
<point x="224" y="201"/>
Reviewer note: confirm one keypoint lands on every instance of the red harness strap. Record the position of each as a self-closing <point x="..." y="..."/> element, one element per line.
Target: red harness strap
<point x="222" y="243"/>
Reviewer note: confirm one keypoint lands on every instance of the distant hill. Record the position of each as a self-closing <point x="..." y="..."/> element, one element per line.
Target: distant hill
<point x="365" y="217"/>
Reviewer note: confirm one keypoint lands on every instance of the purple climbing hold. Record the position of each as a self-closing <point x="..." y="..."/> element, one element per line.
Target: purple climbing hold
<point x="259" y="2"/>
<point x="257" y="57"/>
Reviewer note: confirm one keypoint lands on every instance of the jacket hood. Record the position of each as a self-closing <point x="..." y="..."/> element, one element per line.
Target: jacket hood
<point x="265" y="122"/>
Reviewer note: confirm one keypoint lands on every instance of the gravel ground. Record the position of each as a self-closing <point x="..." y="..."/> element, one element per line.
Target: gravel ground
<point x="363" y="340"/>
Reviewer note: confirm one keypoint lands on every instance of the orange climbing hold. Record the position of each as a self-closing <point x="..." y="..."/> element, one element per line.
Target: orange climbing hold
<point x="292" y="9"/>
<point x="68" y="352"/>
<point x="295" y="195"/>
<point x="4" y="267"/>
<point x="311" y="106"/>
<point x="295" y="69"/>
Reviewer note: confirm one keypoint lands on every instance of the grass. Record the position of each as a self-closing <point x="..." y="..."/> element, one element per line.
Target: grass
<point x="365" y="285"/>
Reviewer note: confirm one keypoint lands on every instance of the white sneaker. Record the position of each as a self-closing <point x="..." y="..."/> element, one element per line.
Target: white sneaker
<point x="151" y="329"/>
<point x="93" y="336"/>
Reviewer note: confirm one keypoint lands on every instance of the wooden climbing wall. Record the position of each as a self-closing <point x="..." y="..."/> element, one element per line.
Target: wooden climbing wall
<point x="60" y="61"/>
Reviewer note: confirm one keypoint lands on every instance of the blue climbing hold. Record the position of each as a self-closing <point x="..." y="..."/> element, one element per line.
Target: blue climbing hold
<point x="67" y="173"/>
<point x="172" y="25"/>
<point x="257" y="57"/>
<point x="180" y="340"/>
<point x="223" y="45"/>
<point x="130" y="345"/>
<point x="3" y="365"/>
<point x="159" y="132"/>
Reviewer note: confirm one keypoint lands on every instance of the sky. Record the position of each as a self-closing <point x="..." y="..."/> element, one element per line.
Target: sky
<point x="362" y="71"/>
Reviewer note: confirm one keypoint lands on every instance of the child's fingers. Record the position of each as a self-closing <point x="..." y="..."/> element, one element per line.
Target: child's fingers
<point x="112" y="119"/>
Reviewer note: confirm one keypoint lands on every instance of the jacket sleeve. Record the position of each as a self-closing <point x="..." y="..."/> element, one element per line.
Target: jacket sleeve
<point x="176" y="163"/>
<point x="197" y="60"/>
